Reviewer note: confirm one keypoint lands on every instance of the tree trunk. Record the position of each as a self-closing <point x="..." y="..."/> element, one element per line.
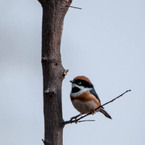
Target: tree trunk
<point x="53" y="71"/>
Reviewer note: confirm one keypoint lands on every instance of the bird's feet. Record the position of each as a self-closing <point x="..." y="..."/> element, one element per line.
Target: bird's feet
<point x="93" y="112"/>
<point x="75" y="118"/>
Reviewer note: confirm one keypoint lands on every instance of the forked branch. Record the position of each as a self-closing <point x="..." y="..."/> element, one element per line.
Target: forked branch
<point x="83" y="116"/>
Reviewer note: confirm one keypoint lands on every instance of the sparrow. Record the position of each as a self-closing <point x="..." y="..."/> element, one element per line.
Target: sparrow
<point x="84" y="97"/>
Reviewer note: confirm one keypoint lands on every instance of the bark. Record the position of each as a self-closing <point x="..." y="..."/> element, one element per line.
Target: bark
<point x="53" y="72"/>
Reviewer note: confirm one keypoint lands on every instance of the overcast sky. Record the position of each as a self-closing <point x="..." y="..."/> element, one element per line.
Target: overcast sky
<point x="104" y="41"/>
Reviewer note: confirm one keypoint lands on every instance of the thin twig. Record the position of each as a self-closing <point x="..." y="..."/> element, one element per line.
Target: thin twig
<point x="86" y="120"/>
<point x="74" y="7"/>
<point x="74" y="121"/>
<point x="45" y="142"/>
<point x="65" y="72"/>
<point x="78" y="120"/>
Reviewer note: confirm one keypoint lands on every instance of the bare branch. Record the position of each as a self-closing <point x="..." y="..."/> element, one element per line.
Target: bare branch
<point x="65" y="72"/>
<point x="75" y="121"/>
<point x="83" y="116"/>
<point x="74" y="7"/>
<point x="86" y="120"/>
<point x="115" y="98"/>
<point x="45" y="142"/>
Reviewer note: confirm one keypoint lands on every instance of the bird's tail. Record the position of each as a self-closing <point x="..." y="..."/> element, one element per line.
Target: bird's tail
<point x="105" y="113"/>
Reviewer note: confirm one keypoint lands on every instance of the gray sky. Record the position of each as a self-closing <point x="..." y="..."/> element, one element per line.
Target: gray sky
<point x="104" y="41"/>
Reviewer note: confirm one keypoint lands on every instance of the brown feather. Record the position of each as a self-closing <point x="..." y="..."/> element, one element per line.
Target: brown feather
<point x="86" y="97"/>
<point x="82" y="78"/>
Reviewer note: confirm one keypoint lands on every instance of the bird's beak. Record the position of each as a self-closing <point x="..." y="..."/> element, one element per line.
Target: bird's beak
<point x="71" y="81"/>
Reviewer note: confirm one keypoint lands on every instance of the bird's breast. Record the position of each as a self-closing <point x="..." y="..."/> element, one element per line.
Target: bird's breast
<point x="84" y="107"/>
<point x="85" y="102"/>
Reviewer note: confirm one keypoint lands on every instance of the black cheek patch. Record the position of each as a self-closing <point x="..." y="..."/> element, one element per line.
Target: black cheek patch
<point x="75" y="89"/>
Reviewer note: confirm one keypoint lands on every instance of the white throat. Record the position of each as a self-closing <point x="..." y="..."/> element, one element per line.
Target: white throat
<point x="82" y="90"/>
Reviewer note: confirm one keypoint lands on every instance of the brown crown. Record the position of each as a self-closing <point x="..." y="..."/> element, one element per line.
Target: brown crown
<point x="82" y="78"/>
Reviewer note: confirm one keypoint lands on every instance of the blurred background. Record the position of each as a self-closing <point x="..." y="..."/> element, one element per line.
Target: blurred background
<point x="104" y="41"/>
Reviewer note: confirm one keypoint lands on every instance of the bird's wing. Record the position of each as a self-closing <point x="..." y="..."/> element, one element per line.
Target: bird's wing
<point x="92" y="91"/>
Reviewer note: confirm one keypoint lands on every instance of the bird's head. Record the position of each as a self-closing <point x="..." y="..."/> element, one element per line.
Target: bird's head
<point x="81" y="84"/>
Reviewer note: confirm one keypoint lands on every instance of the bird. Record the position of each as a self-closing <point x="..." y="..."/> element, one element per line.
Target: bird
<point x="84" y="97"/>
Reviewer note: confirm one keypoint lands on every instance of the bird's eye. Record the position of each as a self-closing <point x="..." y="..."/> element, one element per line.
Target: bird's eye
<point x="79" y="83"/>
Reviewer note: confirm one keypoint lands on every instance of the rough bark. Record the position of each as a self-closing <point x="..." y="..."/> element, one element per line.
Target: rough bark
<point x="53" y="71"/>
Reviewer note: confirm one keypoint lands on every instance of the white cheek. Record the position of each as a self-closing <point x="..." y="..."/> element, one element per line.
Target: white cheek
<point x="82" y="90"/>
<point x="77" y="93"/>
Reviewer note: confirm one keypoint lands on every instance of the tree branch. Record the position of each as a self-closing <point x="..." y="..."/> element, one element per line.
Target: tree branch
<point x="74" y="7"/>
<point x="54" y="12"/>
<point x="65" y="72"/>
<point x="83" y="116"/>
